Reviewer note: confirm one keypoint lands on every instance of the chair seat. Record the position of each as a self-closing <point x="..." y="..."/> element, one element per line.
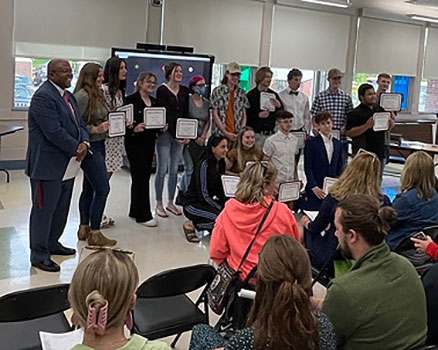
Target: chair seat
<point x="161" y="317"/>
<point x="24" y="335"/>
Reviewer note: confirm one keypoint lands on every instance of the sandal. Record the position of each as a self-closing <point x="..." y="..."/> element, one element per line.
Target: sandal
<point x="161" y="212"/>
<point x="106" y="222"/>
<point x="174" y="210"/>
<point x="190" y="233"/>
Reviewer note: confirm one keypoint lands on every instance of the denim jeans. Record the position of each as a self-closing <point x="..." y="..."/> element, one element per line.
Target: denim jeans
<point x="188" y="169"/>
<point x="95" y="186"/>
<point x="169" y="152"/>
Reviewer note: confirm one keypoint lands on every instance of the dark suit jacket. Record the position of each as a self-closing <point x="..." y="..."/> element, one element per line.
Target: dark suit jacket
<point x="53" y="136"/>
<point x="317" y="167"/>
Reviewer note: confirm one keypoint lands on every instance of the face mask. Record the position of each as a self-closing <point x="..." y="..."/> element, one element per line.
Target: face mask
<point x="200" y="90"/>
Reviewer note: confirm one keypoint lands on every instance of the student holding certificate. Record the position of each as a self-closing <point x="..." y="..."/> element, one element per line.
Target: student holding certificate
<point x="140" y="148"/>
<point x="175" y="98"/>
<point x="361" y="124"/>
<point x="205" y="197"/>
<point x="95" y="186"/>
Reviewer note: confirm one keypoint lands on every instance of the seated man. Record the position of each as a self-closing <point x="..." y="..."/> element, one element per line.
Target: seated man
<point x="323" y="157"/>
<point x="380" y="304"/>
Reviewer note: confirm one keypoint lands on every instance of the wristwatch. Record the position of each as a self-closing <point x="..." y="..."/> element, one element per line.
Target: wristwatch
<point x="87" y="144"/>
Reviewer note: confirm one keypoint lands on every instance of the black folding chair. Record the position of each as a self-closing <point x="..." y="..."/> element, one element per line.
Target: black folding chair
<point x="162" y="307"/>
<point x="426" y="347"/>
<point x="24" y="313"/>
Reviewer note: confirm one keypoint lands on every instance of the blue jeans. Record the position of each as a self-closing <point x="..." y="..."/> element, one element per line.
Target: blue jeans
<point x="188" y="169"/>
<point x="95" y="187"/>
<point x="169" y="152"/>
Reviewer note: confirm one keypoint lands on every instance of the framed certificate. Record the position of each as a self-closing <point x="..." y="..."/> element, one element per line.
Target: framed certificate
<point x="186" y="128"/>
<point x="129" y="110"/>
<point x="336" y="134"/>
<point x="381" y="121"/>
<point x="328" y="182"/>
<point x="229" y="184"/>
<point x="301" y="136"/>
<point x="117" y="125"/>
<point x="289" y="191"/>
<point x="154" y="117"/>
<point x="391" y="102"/>
<point x="265" y="101"/>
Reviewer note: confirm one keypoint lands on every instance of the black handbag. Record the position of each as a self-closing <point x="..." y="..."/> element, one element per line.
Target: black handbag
<point x="219" y="290"/>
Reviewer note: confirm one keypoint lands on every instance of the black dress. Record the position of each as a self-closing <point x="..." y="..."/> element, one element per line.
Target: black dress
<point x="140" y="148"/>
<point x="205" y="198"/>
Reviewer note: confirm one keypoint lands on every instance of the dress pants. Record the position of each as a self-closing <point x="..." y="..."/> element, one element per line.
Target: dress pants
<point x="140" y="154"/>
<point x="50" y="206"/>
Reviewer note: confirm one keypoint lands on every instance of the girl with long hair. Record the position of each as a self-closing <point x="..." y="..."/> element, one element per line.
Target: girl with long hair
<point x="417" y="204"/>
<point x="244" y="151"/>
<point x="175" y="98"/>
<point x="282" y="316"/>
<point x="361" y="176"/>
<point x="114" y="93"/>
<point x="140" y="148"/>
<point x="205" y="198"/>
<point x="102" y="296"/>
<point x="95" y="185"/>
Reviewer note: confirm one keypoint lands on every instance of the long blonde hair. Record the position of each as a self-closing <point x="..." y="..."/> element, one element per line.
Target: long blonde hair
<point x="251" y="187"/>
<point x="239" y="148"/>
<point x="419" y="173"/>
<point x="105" y="276"/>
<point x="361" y="176"/>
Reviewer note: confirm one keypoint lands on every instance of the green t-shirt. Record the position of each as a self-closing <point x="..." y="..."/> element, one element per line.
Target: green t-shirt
<point x="135" y="343"/>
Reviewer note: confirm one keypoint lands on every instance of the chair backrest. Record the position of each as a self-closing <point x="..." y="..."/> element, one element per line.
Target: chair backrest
<point x="177" y="281"/>
<point x="34" y="303"/>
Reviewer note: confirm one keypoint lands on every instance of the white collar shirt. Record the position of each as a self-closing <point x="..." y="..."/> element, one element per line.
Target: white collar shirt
<point x="281" y="149"/>
<point x="298" y="105"/>
<point x="61" y="91"/>
<point x="328" y="143"/>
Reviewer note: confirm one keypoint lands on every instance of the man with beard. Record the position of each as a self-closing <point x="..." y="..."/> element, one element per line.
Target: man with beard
<point x="380" y="303"/>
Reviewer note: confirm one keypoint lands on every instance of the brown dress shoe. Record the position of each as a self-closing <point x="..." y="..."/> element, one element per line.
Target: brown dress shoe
<point x="83" y="232"/>
<point x="97" y="238"/>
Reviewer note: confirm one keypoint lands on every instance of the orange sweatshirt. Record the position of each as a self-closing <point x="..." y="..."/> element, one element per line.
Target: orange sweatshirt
<point x="236" y="226"/>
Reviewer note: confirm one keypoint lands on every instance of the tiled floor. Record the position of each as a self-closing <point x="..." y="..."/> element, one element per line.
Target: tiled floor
<point x="156" y="249"/>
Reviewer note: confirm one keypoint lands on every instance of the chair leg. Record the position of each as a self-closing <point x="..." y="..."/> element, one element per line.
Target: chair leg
<point x="175" y="341"/>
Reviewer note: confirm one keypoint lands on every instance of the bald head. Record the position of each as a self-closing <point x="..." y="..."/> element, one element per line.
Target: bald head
<point x="60" y="73"/>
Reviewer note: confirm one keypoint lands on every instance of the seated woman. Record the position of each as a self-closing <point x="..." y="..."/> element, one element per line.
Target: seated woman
<point x="361" y="176"/>
<point x="417" y="204"/>
<point x="244" y="151"/>
<point x="282" y="316"/>
<point x="102" y="296"/>
<point x="205" y="198"/>
<point x="237" y="224"/>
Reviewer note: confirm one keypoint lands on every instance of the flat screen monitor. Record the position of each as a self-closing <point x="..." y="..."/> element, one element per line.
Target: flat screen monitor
<point x="149" y="61"/>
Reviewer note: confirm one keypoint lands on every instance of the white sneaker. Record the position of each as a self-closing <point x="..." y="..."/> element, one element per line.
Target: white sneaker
<point x="150" y="223"/>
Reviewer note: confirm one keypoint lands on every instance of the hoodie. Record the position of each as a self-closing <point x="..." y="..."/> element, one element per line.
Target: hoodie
<point x="236" y="226"/>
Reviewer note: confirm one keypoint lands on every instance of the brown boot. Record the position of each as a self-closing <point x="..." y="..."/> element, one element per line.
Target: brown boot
<point x="97" y="238"/>
<point x="83" y="232"/>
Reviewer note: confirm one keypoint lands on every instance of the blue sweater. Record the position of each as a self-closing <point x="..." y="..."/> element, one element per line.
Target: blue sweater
<point x="413" y="214"/>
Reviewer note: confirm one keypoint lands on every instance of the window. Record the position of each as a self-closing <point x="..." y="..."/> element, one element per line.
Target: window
<point x="31" y="73"/>
<point x="428" y="96"/>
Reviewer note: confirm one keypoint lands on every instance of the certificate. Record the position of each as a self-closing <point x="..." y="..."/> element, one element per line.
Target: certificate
<point x="289" y="191"/>
<point x="230" y="184"/>
<point x="391" y="102"/>
<point x="336" y="134"/>
<point x="301" y="136"/>
<point x="186" y="128"/>
<point x="328" y="182"/>
<point x="265" y="101"/>
<point x="117" y="125"/>
<point x="72" y="169"/>
<point x="129" y="110"/>
<point x="154" y="117"/>
<point x="381" y="121"/>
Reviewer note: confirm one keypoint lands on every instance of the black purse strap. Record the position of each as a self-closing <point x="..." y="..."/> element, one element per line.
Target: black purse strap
<point x="259" y="228"/>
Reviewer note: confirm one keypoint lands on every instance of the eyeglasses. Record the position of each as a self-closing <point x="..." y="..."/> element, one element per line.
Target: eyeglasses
<point x="200" y="85"/>
<point x="361" y="150"/>
<point x="88" y="250"/>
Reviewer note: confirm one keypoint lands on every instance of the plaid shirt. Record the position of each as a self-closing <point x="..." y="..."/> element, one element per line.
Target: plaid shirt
<point x="339" y="104"/>
<point x="219" y="99"/>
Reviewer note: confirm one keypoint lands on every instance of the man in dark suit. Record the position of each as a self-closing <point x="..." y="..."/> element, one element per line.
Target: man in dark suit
<point x="56" y="134"/>
<point x="323" y="157"/>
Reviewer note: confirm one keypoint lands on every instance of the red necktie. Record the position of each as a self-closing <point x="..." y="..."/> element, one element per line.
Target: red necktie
<point x="65" y="96"/>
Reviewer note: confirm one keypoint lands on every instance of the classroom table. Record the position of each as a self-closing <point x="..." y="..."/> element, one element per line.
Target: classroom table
<point x="7" y="130"/>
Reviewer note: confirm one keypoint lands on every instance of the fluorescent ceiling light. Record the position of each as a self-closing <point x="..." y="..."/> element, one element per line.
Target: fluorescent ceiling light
<point x="343" y="4"/>
<point x="423" y="18"/>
